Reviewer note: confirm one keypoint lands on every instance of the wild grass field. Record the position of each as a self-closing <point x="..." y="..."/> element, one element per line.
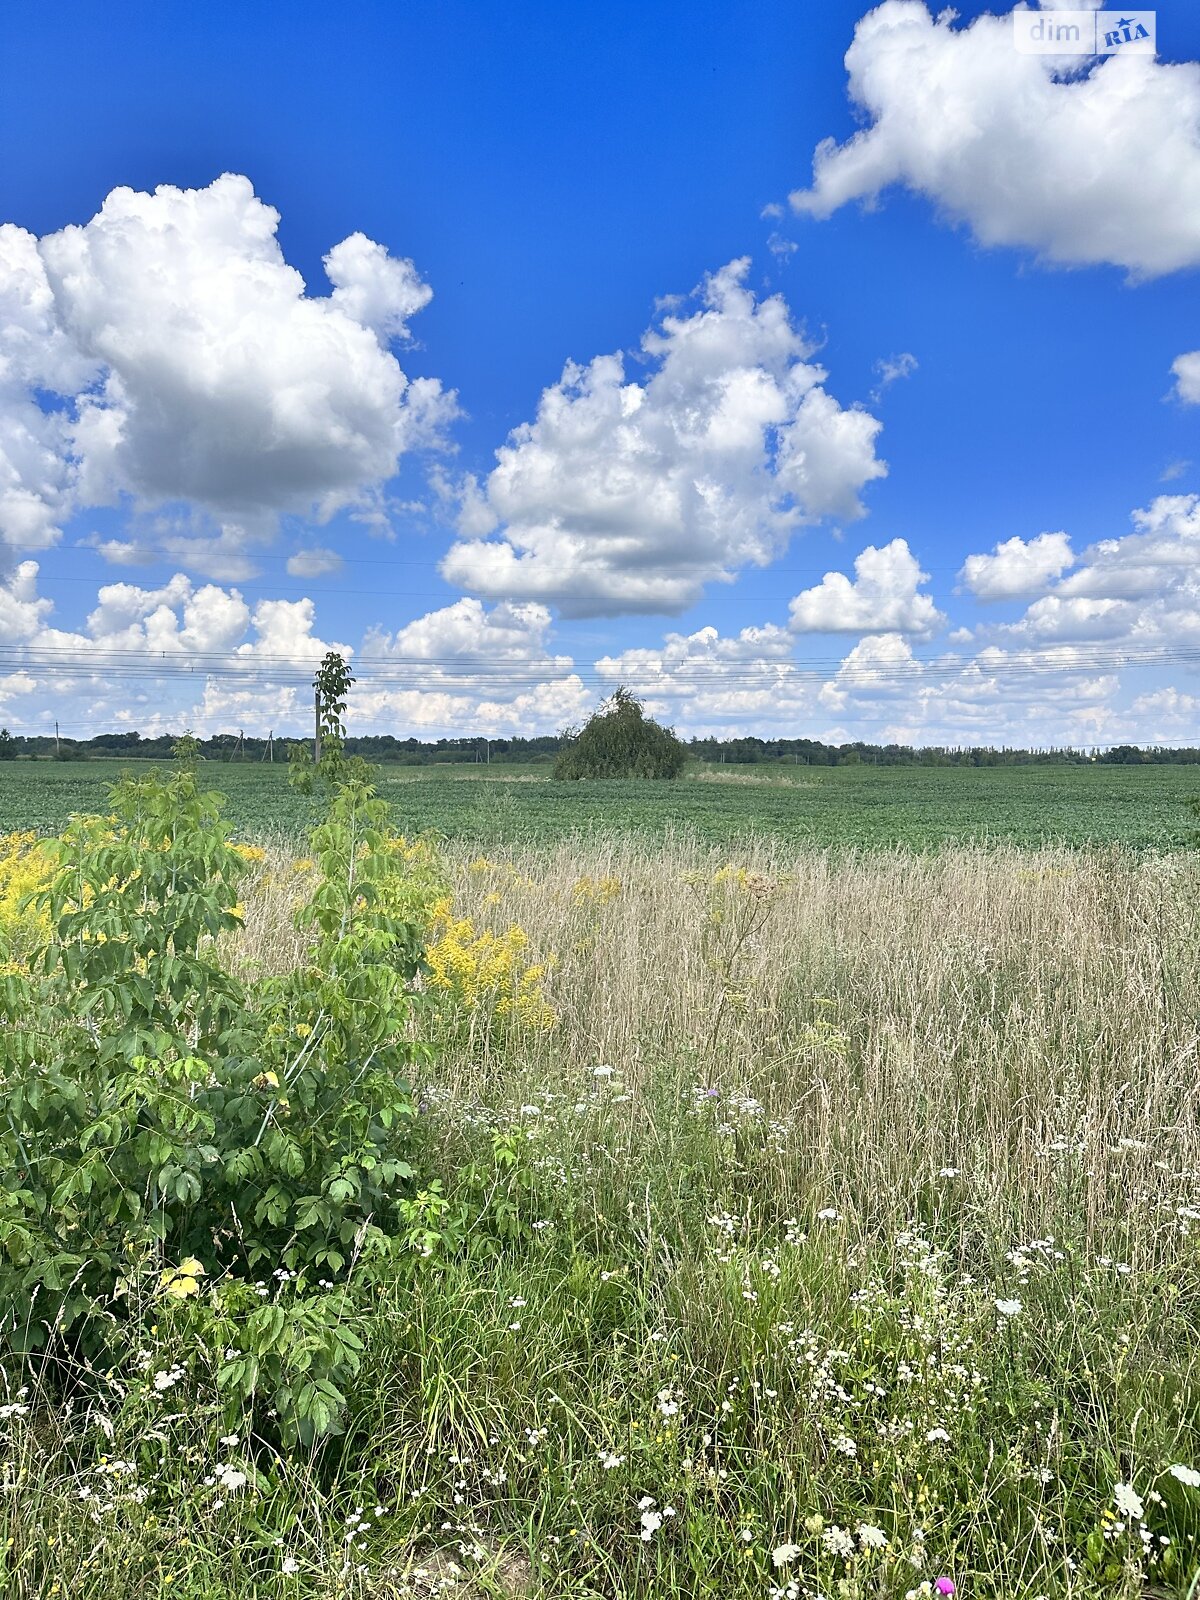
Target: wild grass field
<point x="922" y="807"/>
<point x="782" y="1223"/>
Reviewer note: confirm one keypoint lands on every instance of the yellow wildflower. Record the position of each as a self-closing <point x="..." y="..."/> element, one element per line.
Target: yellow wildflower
<point x="178" y="1283"/>
<point x="487" y="971"/>
<point x="25" y="869"/>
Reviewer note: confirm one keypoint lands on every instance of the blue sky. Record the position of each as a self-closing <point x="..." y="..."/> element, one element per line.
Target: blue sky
<point x="997" y="287"/>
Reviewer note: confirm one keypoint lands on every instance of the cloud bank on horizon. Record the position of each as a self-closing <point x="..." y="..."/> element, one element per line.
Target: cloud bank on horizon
<point x="164" y="370"/>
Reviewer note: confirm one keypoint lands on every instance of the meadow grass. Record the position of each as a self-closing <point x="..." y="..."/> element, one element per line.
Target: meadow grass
<point x="839" y="1235"/>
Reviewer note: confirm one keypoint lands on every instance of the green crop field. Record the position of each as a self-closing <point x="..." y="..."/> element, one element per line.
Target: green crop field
<point x="1142" y="807"/>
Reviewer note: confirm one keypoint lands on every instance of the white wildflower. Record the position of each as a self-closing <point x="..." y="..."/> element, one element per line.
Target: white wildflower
<point x="837" y="1541"/>
<point x="1127" y="1501"/>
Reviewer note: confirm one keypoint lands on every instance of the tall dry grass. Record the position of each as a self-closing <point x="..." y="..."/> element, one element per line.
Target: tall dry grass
<point x="1030" y="1018"/>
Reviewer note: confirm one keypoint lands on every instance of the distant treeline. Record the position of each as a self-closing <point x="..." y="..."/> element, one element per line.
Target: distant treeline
<point x="385" y="747"/>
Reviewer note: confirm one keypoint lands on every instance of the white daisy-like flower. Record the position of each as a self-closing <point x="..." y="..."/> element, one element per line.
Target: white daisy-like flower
<point x="651" y="1522"/>
<point x="783" y="1553"/>
<point x="1188" y="1476"/>
<point x="1127" y="1501"/>
<point x="1008" y="1308"/>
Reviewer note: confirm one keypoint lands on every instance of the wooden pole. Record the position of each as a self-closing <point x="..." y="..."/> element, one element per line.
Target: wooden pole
<point x="316" y="728"/>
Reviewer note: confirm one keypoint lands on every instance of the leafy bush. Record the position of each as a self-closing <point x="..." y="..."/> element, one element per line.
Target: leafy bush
<point x="621" y="741"/>
<point x="166" y="1127"/>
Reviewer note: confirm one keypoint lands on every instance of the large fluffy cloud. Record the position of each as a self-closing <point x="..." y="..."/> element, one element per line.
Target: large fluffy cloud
<point x="190" y="365"/>
<point x="882" y="598"/>
<point x="629" y="493"/>
<point x="1081" y="168"/>
<point x="1017" y="567"/>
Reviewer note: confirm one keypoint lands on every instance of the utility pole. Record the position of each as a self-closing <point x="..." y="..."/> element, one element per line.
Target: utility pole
<point x="269" y="753"/>
<point x="57" y="747"/>
<point x="316" y="727"/>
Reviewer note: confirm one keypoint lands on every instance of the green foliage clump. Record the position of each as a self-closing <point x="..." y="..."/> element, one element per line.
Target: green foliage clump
<point x="621" y="741"/>
<point x="174" y="1139"/>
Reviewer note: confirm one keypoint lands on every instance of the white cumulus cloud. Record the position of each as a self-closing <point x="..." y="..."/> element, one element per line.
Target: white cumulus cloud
<point x="1082" y="168"/>
<point x="1017" y="567"/>
<point x="883" y="597"/>
<point x="1187" y="377"/>
<point x="466" y="640"/>
<point x="190" y="365"/>
<point x="1142" y="589"/>
<point x="633" y="489"/>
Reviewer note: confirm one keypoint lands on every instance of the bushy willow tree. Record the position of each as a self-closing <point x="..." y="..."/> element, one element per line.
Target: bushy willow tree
<point x="620" y="741"/>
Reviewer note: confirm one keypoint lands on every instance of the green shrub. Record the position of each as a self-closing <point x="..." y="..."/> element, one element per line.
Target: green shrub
<point x="621" y="741"/>
<point x="173" y="1138"/>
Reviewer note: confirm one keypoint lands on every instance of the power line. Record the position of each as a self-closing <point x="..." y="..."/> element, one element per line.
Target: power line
<point x="304" y="588"/>
<point x="165" y="556"/>
<point x="444" y="672"/>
